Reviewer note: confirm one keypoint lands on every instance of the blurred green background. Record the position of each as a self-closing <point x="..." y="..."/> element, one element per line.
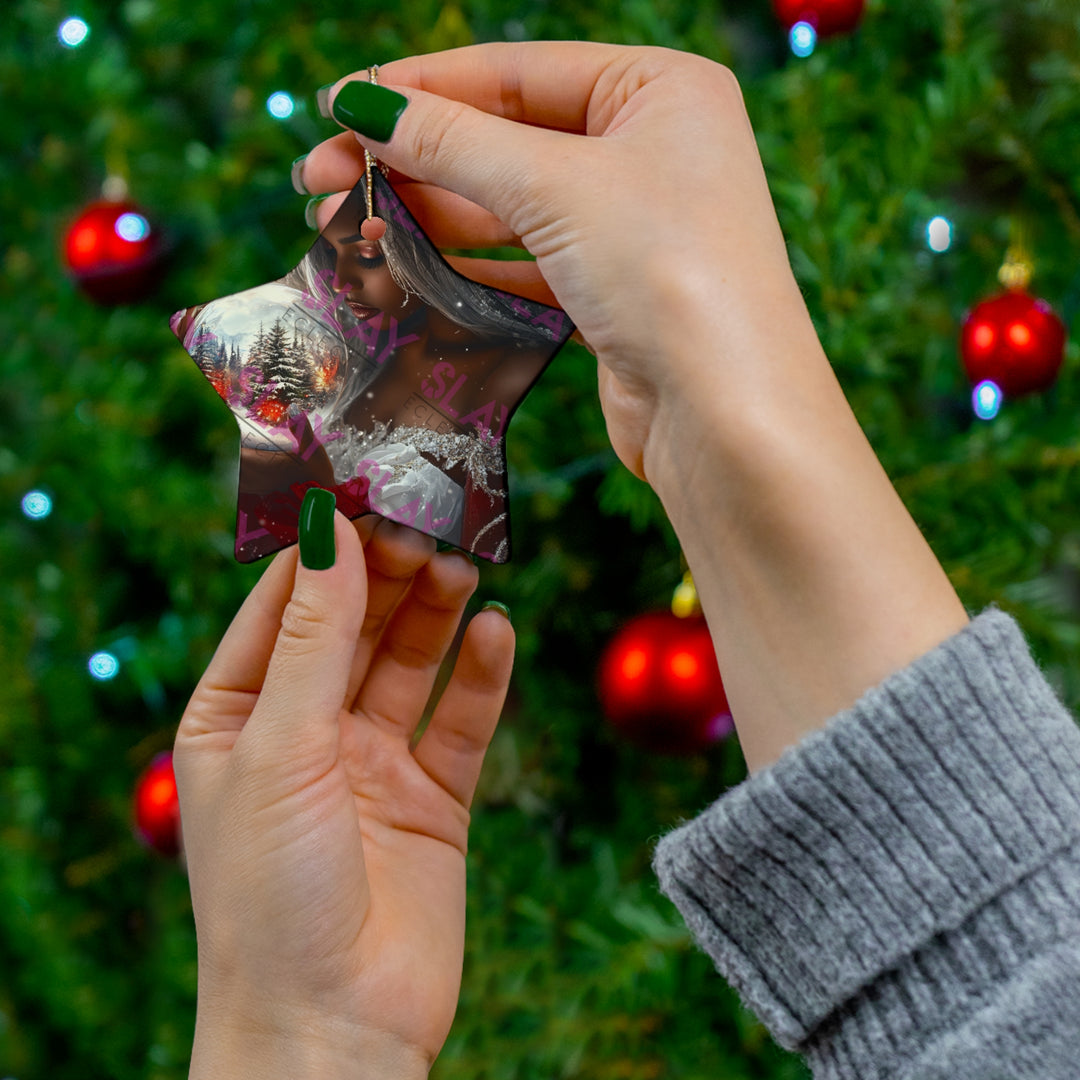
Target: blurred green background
<point x="576" y="966"/>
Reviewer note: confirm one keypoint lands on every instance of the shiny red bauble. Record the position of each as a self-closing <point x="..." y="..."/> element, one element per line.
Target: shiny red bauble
<point x="157" y="807"/>
<point x="113" y="252"/>
<point x="827" y="17"/>
<point x="1015" y="340"/>
<point x="660" y="685"/>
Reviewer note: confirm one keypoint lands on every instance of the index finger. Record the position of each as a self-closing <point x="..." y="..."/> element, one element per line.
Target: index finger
<point x="240" y="661"/>
<point x="546" y="83"/>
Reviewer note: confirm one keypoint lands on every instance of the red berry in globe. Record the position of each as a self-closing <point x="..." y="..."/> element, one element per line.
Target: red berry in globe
<point x="660" y="685"/>
<point x="1015" y="341"/>
<point x="219" y="380"/>
<point x="272" y="410"/>
<point x="113" y="252"/>
<point x="157" y="807"/>
<point x="827" y="17"/>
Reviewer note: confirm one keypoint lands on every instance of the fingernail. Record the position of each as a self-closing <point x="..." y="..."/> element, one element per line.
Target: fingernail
<point x="309" y="211"/>
<point x="494" y="605"/>
<point x="317" y="550"/>
<point x="297" y="175"/>
<point x="446" y="548"/>
<point x="322" y="100"/>
<point x="369" y="109"/>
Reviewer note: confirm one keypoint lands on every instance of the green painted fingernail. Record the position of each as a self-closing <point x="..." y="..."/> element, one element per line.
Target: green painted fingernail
<point x="322" y="100"/>
<point x="309" y="211"/>
<point x="317" y="529"/>
<point x="445" y="547"/>
<point x="369" y="109"/>
<point x="494" y="605"/>
<point x="297" y="175"/>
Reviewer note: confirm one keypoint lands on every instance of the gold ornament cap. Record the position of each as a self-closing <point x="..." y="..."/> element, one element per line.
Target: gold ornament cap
<point x="1016" y="270"/>
<point x="684" y="601"/>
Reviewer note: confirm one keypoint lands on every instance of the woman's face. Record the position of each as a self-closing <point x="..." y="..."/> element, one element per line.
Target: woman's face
<point x="361" y="268"/>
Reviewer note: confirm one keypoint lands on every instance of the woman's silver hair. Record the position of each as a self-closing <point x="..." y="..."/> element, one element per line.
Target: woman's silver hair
<point x="418" y="267"/>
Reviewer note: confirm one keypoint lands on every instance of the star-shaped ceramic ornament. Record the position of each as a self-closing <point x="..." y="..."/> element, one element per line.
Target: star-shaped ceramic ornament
<point x="376" y="370"/>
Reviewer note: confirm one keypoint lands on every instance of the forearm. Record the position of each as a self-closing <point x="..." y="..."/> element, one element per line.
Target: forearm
<point x="815" y="580"/>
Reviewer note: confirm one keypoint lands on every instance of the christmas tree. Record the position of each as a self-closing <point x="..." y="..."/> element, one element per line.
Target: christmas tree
<point x="281" y="366"/>
<point x="907" y="158"/>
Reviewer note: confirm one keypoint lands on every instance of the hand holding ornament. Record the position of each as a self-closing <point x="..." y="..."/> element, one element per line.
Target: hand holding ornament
<point x="633" y="176"/>
<point x="326" y="853"/>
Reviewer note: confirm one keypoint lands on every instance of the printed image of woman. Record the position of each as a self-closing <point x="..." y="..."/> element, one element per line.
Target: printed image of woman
<point x="406" y="374"/>
<point x="446" y="360"/>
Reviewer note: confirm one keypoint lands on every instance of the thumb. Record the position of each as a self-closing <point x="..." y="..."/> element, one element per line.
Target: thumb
<point x="497" y="163"/>
<point x="296" y="716"/>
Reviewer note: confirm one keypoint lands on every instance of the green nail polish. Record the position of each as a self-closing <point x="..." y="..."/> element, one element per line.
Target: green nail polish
<point x="297" y="175"/>
<point x="317" y="550"/>
<point x="309" y="211"/>
<point x="369" y="109"/>
<point x="322" y="100"/>
<point x="494" y="605"/>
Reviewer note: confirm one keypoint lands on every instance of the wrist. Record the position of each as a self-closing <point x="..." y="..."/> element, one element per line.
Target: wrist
<point x="742" y="372"/>
<point x="816" y="582"/>
<point x="233" y="1047"/>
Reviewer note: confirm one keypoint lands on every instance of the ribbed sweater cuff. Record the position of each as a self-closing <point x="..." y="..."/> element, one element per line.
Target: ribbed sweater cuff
<point x="903" y="851"/>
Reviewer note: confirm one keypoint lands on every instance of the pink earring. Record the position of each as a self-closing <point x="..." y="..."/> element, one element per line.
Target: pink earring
<point x="372" y="228"/>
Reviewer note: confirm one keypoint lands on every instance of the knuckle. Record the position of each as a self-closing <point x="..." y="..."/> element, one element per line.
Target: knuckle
<point x="512" y="96"/>
<point x="727" y="81"/>
<point x="304" y="623"/>
<point x="430" y="143"/>
<point x="462" y="741"/>
<point x="411" y="655"/>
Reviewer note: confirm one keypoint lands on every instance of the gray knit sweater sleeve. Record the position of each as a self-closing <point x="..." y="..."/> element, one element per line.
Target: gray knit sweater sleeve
<point x="899" y="895"/>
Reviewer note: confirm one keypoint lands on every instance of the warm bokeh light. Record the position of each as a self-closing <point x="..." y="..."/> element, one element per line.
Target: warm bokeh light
<point x="1019" y="335"/>
<point x="683" y="665"/>
<point x="982" y="337"/>
<point x="157" y="806"/>
<point x="84" y="242"/>
<point x="634" y="664"/>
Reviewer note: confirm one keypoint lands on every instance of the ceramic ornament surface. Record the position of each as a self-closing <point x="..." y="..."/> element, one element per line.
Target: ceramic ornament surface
<point x="377" y="371"/>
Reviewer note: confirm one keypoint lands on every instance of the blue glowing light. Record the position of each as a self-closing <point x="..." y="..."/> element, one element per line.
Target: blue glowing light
<point x="36" y="505"/>
<point x="986" y="400"/>
<point x="803" y="39"/>
<point x="280" y="105"/>
<point x="939" y="234"/>
<point x="103" y="666"/>
<point x="132" y="227"/>
<point x="73" y="32"/>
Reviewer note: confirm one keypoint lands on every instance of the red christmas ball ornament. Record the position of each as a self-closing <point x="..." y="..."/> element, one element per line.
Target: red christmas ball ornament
<point x="157" y="807"/>
<point x="113" y="252"/>
<point x="827" y="17"/>
<point x="660" y="685"/>
<point x="1013" y="340"/>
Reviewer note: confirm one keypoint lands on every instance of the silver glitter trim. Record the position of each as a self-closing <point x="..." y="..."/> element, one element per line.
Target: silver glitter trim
<point x="453" y="448"/>
<point x="502" y="551"/>
<point x="483" y="461"/>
